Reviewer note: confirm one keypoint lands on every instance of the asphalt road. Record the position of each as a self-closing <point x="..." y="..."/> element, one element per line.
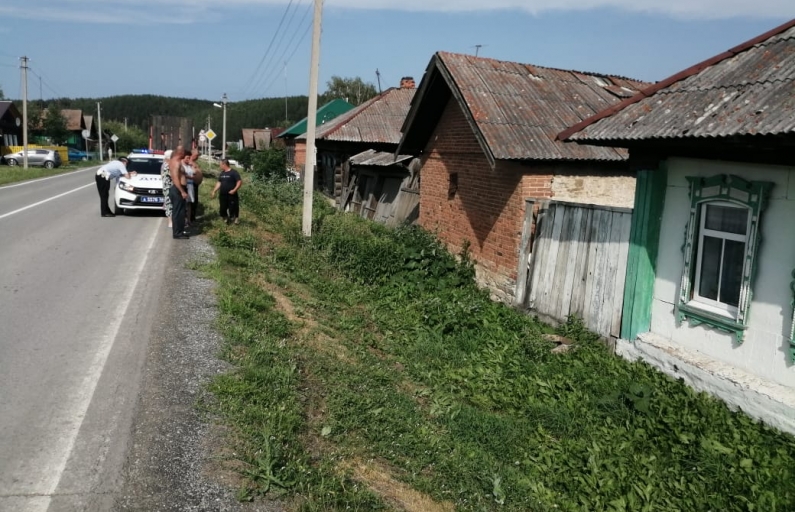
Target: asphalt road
<point x="75" y="319"/>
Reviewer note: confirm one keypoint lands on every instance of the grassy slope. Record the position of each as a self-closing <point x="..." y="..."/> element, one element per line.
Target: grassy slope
<point x="372" y="374"/>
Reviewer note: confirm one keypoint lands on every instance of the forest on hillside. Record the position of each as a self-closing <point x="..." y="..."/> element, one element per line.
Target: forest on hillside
<point x="137" y="111"/>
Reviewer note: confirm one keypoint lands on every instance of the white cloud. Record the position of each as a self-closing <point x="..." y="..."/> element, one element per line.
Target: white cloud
<point x="188" y="11"/>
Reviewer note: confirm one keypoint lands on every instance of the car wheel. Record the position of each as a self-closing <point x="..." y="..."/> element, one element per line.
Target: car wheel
<point x="12" y="162"/>
<point x="49" y="165"/>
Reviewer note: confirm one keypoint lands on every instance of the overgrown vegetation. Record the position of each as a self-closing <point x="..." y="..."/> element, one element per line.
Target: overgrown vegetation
<point x="371" y="347"/>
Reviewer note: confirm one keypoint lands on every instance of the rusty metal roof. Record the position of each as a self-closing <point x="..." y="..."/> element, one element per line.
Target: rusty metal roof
<point x="74" y="119"/>
<point x="377" y="120"/>
<point x="375" y="158"/>
<point x="748" y="90"/>
<point x="517" y="109"/>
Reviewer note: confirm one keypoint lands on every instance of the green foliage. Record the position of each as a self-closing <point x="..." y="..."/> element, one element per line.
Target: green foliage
<point x="244" y="156"/>
<point x="459" y="395"/>
<point x="54" y="125"/>
<point x="353" y="90"/>
<point x="270" y="163"/>
<point x="130" y="137"/>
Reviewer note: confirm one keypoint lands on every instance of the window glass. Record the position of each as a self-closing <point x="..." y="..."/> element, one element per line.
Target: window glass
<point x="727" y="218"/>
<point x="710" y="267"/>
<point x="731" y="277"/>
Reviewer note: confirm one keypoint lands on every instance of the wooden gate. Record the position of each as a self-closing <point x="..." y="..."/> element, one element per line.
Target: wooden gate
<point x="573" y="262"/>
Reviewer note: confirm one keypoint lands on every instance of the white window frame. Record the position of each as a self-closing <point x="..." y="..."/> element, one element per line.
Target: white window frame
<point x="719" y="190"/>
<point x="716" y="306"/>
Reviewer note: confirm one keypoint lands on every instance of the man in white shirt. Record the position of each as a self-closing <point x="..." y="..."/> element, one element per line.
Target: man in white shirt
<point x="105" y="176"/>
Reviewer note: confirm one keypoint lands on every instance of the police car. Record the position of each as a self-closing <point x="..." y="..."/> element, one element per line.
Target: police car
<point x="145" y="190"/>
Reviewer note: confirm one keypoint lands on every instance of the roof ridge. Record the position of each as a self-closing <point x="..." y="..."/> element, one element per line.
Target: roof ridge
<point x="589" y="73"/>
<point x="677" y="77"/>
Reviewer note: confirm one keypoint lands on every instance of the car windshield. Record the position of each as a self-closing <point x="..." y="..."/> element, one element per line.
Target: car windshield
<point x="144" y="165"/>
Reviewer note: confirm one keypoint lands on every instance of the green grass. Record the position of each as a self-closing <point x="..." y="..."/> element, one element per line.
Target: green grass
<point x="17" y="174"/>
<point x="370" y="344"/>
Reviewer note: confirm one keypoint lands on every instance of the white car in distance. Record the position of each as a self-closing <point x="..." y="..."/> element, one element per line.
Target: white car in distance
<point x="145" y="190"/>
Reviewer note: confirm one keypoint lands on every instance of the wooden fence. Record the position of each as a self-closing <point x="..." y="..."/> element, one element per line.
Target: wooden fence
<point x="573" y="262"/>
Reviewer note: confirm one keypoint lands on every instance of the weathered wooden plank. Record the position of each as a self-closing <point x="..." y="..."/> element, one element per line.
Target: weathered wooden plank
<point x="539" y="255"/>
<point x="611" y="269"/>
<point x="520" y="294"/>
<point x="547" y="303"/>
<point x="571" y="264"/>
<point x="581" y="267"/>
<point x="600" y="271"/>
<point x="621" y="274"/>
<point x="561" y="268"/>
<point x="593" y="260"/>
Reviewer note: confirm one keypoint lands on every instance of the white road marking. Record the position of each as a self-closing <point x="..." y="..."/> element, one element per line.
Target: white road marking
<point x="63" y="447"/>
<point x="28" y="182"/>
<point x="44" y="201"/>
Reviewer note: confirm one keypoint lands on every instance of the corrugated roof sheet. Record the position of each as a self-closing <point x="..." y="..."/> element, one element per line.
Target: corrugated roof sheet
<point x="375" y="158"/>
<point x="325" y="114"/>
<point x="749" y="90"/>
<point x="520" y="108"/>
<point x="377" y="120"/>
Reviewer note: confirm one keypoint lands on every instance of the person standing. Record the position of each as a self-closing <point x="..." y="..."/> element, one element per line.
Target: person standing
<point x="198" y="177"/>
<point x="228" y="184"/>
<point x="105" y="176"/>
<point x="178" y="193"/>
<point x="166" y="176"/>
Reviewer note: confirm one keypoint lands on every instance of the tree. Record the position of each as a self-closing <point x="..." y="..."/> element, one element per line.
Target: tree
<point x="353" y="90"/>
<point x="129" y="139"/>
<point x="53" y="125"/>
<point x="2" y="96"/>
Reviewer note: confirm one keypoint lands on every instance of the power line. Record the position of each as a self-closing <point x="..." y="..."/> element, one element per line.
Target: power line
<point x="259" y="66"/>
<point x="48" y="86"/>
<point x="287" y="47"/>
<point x="271" y="68"/>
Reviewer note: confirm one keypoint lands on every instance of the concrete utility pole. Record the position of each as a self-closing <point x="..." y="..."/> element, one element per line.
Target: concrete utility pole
<point x="223" y="133"/>
<point x="24" y="112"/>
<point x="99" y="128"/>
<point x="311" y="121"/>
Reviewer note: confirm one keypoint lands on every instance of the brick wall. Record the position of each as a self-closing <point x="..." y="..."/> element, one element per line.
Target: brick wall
<point x="463" y="199"/>
<point x="300" y="155"/>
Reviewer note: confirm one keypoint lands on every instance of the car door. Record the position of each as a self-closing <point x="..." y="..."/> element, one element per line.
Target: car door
<point x="36" y="157"/>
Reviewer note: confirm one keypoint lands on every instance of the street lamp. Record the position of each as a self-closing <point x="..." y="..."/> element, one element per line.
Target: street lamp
<point x="223" y="136"/>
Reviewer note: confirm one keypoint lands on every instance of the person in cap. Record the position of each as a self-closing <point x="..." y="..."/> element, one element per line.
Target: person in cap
<point x="105" y="176"/>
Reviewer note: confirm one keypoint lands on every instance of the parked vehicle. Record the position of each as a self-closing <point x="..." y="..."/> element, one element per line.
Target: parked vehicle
<point x="75" y="155"/>
<point x="48" y="158"/>
<point x="145" y="190"/>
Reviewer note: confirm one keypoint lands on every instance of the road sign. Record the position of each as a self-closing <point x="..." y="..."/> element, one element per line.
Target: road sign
<point x="114" y="138"/>
<point x="86" y="134"/>
<point x="210" y="134"/>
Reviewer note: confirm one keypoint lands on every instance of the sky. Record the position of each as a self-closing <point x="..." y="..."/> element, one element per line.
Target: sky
<point x="261" y="48"/>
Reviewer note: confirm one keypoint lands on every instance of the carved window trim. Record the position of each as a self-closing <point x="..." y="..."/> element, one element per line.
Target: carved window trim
<point x="728" y="189"/>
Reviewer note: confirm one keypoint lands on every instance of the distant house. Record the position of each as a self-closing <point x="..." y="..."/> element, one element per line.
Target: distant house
<point x="485" y="132"/>
<point x="373" y="125"/>
<point x="258" y="139"/>
<point x="76" y="123"/>
<point x="296" y="150"/>
<point x="709" y="289"/>
<point x="10" y="125"/>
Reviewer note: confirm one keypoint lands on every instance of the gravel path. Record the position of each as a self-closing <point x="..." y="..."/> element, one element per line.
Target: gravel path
<point x="170" y="466"/>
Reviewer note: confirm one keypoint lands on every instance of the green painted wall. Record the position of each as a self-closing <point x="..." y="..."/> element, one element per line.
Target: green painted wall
<point x="644" y="244"/>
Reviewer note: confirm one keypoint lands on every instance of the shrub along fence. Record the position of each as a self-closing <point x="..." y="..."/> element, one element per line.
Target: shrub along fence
<point x="573" y="262"/>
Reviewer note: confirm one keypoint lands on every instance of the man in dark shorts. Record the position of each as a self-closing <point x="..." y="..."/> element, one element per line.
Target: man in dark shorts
<point x="228" y="184"/>
<point x="178" y="193"/>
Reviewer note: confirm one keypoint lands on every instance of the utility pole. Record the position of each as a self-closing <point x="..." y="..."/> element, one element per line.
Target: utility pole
<point x="378" y="75"/>
<point x="285" y="93"/>
<point x="125" y="124"/>
<point x="223" y="133"/>
<point x="41" y="93"/>
<point x="24" y="112"/>
<point x="99" y="129"/>
<point x="309" y="168"/>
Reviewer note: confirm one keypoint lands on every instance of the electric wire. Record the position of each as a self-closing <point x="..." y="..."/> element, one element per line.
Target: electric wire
<point x="269" y="65"/>
<point x="301" y="39"/>
<point x="270" y="45"/>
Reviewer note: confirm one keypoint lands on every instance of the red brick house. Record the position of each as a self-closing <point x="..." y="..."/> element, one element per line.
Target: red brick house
<point x="485" y="132"/>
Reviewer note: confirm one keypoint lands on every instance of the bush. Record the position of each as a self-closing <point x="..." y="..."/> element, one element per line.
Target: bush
<point x="270" y="163"/>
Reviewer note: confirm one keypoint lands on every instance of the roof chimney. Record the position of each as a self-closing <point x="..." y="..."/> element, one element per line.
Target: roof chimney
<point x="407" y="82"/>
